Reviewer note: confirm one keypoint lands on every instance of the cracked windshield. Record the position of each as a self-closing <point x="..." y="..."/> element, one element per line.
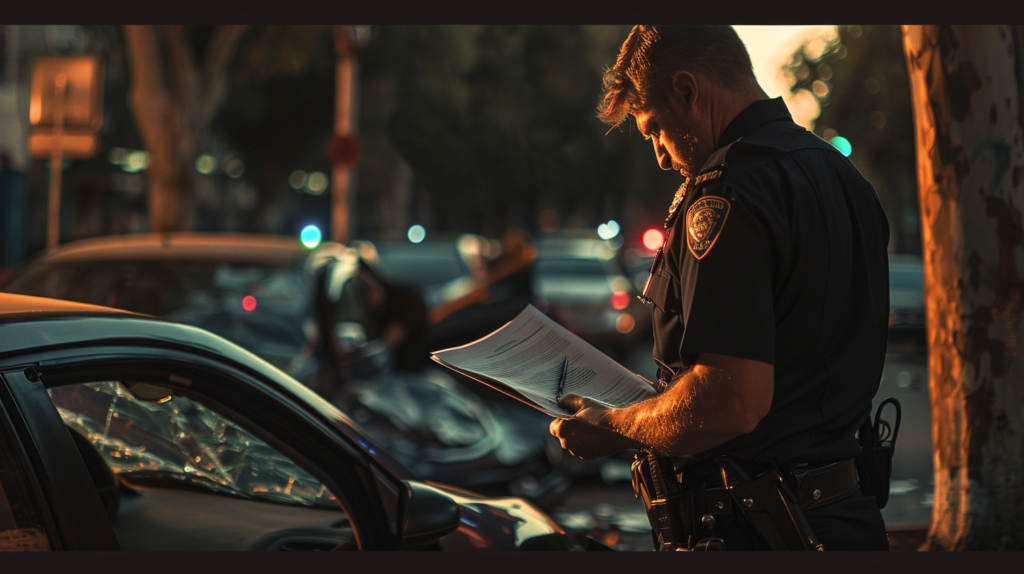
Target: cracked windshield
<point x="173" y="439"/>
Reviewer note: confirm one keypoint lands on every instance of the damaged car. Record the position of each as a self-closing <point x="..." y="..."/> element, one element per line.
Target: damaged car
<point x="121" y="431"/>
<point x="311" y="313"/>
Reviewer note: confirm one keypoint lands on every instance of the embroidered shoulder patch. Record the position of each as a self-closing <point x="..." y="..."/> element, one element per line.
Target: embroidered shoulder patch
<point x="704" y="222"/>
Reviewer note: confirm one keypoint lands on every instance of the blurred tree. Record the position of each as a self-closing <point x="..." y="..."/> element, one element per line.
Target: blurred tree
<point x="278" y="117"/>
<point x="174" y="99"/>
<point x="967" y="95"/>
<point x="498" y="122"/>
<point x="860" y="81"/>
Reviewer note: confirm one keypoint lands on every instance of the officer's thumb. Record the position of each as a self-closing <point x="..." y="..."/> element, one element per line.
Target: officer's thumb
<point x="571" y="403"/>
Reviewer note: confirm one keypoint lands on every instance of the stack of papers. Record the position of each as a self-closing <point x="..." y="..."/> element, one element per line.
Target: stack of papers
<point x="523" y="359"/>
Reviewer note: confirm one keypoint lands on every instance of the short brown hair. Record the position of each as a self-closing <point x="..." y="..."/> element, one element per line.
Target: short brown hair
<point x="651" y="54"/>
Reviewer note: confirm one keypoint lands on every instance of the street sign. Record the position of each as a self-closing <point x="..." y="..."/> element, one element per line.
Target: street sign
<point x="74" y="145"/>
<point x="79" y="104"/>
<point x="65" y="110"/>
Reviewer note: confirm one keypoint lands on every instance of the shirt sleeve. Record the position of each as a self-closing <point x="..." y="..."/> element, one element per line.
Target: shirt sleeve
<point x="726" y="282"/>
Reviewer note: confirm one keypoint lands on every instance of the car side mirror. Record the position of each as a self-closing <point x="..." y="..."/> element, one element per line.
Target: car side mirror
<point x="429" y="514"/>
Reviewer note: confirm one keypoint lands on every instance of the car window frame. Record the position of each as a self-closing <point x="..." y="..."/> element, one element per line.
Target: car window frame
<point x="19" y="460"/>
<point x="157" y="366"/>
<point x="73" y="506"/>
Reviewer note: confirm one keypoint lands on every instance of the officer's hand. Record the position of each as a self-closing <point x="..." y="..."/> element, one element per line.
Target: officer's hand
<point x="587" y="435"/>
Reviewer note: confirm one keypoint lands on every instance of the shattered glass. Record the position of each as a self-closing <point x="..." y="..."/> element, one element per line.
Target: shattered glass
<point x="183" y="441"/>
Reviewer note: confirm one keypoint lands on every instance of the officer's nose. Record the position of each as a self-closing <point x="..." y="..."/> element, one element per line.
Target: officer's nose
<point x="664" y="159"/>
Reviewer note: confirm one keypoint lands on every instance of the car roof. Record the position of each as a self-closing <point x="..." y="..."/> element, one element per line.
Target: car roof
<point x="273" y="249"/>
<point x="576" y="247"/>
<point x="28" y="324"/>
<point x="15" y="308"/>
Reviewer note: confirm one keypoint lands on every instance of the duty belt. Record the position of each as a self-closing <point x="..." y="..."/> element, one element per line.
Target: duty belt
<point x="825" y="484"/>
<point x="683" y="512"/>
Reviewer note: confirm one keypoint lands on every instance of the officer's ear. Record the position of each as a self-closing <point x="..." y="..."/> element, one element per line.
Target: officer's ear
<point x="684" y="89"/>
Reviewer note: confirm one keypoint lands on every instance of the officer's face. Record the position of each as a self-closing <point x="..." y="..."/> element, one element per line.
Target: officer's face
<point x="677" y="144"/>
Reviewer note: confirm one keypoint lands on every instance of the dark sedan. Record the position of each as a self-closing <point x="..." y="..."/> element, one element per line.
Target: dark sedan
<point x="581" y="284"/>
<point x="120" y="431"/>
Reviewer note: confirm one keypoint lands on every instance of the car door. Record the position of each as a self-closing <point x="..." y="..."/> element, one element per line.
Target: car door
<point x="247" y="403"/>
<point x="67" y="507"/>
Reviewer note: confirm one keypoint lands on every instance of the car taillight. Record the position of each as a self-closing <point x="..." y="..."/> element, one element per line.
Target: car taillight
<point x="620" y="299"/>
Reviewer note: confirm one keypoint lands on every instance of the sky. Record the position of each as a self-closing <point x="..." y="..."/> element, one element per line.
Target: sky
<point x="769" y="48"/>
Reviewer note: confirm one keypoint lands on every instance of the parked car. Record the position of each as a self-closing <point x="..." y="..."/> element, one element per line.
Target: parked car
<point x="307" y="313"/>
<point x="121" y="431"/>
<point x="465" y="298"/>
<point x="581" y="284"/>
<point x="906" y="296"/>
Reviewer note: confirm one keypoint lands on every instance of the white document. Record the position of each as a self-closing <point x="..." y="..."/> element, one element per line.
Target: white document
<point x="524" y="358"/>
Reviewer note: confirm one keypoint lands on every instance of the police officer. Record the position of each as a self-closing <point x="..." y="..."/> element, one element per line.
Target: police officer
<point x="769" y="296"/>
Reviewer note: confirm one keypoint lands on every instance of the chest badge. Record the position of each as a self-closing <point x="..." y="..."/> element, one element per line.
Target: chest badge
<point x="704" y="222"/>
<point x="677" y="200"/>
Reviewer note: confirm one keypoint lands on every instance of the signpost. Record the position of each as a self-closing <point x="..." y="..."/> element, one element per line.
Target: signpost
<point x="344" y="147"/>
<point x="66" y="111"/>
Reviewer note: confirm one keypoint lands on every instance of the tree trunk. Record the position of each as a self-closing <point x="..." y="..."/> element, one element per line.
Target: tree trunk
<point x="159" y="123"/>
<point x="173" y="117"/>
<point x="966" y="91"/>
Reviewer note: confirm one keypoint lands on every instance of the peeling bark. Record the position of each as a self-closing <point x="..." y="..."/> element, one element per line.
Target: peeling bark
<point x="966" y="91"/>
<point x="173" y="109"/>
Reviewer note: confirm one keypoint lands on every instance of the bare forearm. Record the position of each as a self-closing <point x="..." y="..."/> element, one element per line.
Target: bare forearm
<point x="701" y="410"/>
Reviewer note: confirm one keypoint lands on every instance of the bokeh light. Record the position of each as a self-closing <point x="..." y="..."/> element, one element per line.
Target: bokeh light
<point x="624" y="323"/>
<point x="310" y="236"/>
<point x="297" y="180"/>
<point x="135" y="161"/>
<point x="249" y="303"/>
<point x="316" y="183"/>
<point x="842" y="144"/>
<point x="620" y="299"/>
<point x="608" y="230"/>
<point x="235" y="168"/>
<point x="117" y="155"/>
<point x="417" y="233"/>
<point x="206" y="164"/>
<point x="653" y="238"/>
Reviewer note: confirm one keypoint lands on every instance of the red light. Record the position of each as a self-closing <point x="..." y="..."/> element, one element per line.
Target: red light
<point x="625" y="323"/>
<point x="248" y="302"/>
<point x="653" y="239"/>
<point x="620" y="299"/>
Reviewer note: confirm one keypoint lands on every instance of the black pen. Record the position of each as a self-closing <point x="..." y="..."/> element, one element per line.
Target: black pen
<point x="561" y="379"/>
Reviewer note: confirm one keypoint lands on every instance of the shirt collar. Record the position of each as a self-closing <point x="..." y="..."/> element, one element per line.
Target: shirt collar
<point x="754" y="116"/>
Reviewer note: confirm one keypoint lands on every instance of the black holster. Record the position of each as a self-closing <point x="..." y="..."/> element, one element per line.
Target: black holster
<point x="766" y="502"/>
<point x="668" y="507"/>
<point x="769" y="503"/>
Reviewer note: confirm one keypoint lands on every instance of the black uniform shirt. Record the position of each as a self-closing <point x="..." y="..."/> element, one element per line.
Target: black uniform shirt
<point x="777" y="253"/>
